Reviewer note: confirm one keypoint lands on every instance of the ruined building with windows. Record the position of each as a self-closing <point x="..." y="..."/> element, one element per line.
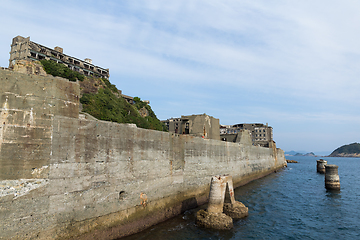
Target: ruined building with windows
<point x="24" y="49"/>
<point x="261" y="135"/>
<point x="200" y="125"/>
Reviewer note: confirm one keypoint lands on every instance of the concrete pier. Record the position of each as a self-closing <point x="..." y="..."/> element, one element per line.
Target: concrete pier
<point x="332" y="180"/>
<point x="217" y="194"/>
<point x="320" y="167"/>
<point x="222" y="207"/>
<point x="232" y="208"/>
<point x="214" y="216"/>
<point x="236" y="210"/>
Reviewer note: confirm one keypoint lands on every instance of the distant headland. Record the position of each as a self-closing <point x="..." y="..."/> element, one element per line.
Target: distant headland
<point x="350" y="150"/>
<point x="293" y="153"/>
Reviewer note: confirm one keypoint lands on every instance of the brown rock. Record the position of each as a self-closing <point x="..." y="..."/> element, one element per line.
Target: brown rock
<point x="218" y="221"/>
<point x="29" y="67"/>
<point x="236" y="211"/>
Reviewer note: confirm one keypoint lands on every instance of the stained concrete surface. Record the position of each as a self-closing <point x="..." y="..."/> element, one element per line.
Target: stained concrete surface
<point x="85" y="179"/>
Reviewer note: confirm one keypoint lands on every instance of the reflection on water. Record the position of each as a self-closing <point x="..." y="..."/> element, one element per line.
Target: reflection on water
<point x="290" y="204"/>
<point x="333" y="193"/>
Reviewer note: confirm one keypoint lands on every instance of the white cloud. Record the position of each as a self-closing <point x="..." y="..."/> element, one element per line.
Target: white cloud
<point x="236" y="60"/>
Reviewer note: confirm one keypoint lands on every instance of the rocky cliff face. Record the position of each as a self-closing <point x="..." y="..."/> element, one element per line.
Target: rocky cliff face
<point x="28" y="67"/>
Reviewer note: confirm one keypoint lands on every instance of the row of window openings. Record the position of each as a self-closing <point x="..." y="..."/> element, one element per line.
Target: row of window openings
<point x="186" y="124"/>
<point x="40" y="57"/>
<point x="259" y="135"/>
<point x="236" y="131"/>
<point x="259" y="130"/>
<point x="88" y="73"/>
<point x="186" y="130"/>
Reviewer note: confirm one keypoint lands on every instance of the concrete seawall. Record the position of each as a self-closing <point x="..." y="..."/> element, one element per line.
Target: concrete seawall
<point x="67" y="177"/>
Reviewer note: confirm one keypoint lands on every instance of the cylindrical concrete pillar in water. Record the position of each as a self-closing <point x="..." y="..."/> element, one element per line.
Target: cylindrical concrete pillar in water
<point x="321" y="165"/>
<point x="217" y="194"/>
<point x="214" y="216"/>
<point x="332" y="180"/>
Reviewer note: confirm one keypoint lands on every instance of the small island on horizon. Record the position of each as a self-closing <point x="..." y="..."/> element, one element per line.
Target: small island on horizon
<point x="293" y="153"/>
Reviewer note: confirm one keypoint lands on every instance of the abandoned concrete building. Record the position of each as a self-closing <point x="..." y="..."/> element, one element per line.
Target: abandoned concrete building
<point x="24" y="49"/>
<point x="261" y="135"/>
<point x="201" y="125"/>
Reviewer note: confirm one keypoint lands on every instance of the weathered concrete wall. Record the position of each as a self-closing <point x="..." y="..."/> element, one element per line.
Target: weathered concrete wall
<point x="100" y="180"/>
<point x="204" y="126"/>
<point x="28" y="104"/>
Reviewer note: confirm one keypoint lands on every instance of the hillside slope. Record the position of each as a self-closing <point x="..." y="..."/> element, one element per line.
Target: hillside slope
<point x="350" y="150"/>
<point x="103" y="100"/>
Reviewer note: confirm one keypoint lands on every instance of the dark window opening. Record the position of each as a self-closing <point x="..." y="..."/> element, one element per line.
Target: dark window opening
<point x="122" y="195"/>
<point x="186" y="128"/>
<point x="76" y="62"/>
<point x="33" y="54"/>
<point x="54" y="54"/>
<point x="41" y="57"/>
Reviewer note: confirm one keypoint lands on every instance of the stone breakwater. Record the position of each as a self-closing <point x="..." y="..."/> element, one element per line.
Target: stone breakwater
<point x="66" y="176"/>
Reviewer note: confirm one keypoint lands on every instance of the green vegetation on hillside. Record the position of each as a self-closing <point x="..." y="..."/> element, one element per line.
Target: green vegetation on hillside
<point x="151" y="119"/>
<point x="106" y="104"/>
<point x="353" y="148"/>
<point x="60" y="70"/>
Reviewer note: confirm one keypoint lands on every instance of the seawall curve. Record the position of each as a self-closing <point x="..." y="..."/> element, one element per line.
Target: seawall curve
<point x="66" y="176"/>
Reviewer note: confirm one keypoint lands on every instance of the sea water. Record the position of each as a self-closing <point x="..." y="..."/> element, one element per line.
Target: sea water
<point x="290" y="204"/>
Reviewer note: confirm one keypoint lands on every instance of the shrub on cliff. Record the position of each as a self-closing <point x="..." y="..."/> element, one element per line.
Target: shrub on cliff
<point x="60" y="70"/>
<point x="151" y="118"/>
<point x="112" y="87"/>
<point x="105" y="105"/>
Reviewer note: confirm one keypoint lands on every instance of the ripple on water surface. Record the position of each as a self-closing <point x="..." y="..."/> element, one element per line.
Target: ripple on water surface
<point x="290" y="204"/>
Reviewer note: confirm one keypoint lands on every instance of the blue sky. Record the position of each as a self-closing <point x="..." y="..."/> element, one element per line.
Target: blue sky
<point x="292" y="64"/>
